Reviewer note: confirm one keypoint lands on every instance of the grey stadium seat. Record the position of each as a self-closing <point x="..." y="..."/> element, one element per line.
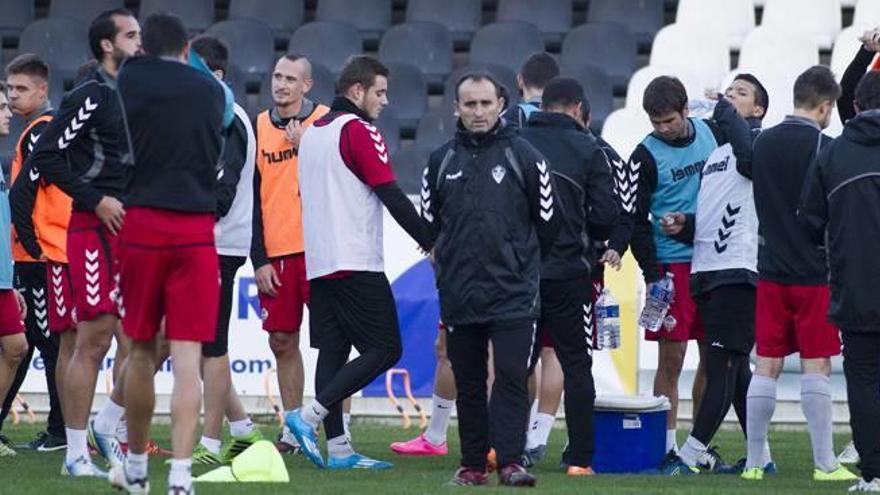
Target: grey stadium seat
<point x="283" y="16"/>
<point x="611" y="46"/>
<point x="643" y="17"/>
<point x="436" y="128"/>
<point x="506" y="43"/>
<point x="323" y="87"/>
<point x="16" y="15"/>
<point x="599" y="91"/>
<point x="502" y="74"/>
<point x="61" y="43"/>
<point x="251" y="46"/>
<point x="197" y="15"/>
<point x="7" y="143"/>
<point x="552" y="17"/>
<point x="236" y="81"/>
<point x="82" y="10"/>
<point x="461" y="17"/>
<point x="407" y="94"/>
<point x="372" y="17"/>
<point x="427" y="45"/>
<point x="389" y="126"/>
<point x="327" y="43"/>
<point x="409" y="164"/>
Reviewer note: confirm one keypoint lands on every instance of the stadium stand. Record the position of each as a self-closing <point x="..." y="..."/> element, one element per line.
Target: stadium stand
<point x="409" y="164"/>
<point x="373" y="17"/>
<point x="644" y="17"/>
<point x="407" y="94"/>
<point x="435" y="128"/>
<point x="867" y="14"/>
<point x="329" y="42"/>
<point x="820" y="19"/>
<point x="426" y="45"/>
<point x="598" y="88"/>
<point x="62" y="43"/>
<point x="624" y="129"/>
<point x="251" y="46"/>
<point x="82" y="10"/>
<point x="635" y="90"/>
<point x="709" y="58"/>
<point x="506" y="43"/>
<point x="196" y="14"/>
<point x="461" y="17"/>
<point x="505" y="75"/>
<point x="608" y="45"/>
<point x="283" y="16"/>
<point x="16" y="15"/>
<point x="845" y="47"/>
<point x="553" y="19"/>
<point x="736" y="22"/>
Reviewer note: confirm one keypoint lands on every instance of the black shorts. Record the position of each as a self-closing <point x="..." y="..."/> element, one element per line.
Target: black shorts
<point x="728" y="315"/>
<point x="357" y="310"/>
<point x="567" y="316"/>
<point x="229" y="266"/>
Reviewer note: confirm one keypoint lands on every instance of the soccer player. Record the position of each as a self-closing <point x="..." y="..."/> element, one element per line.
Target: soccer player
<point x="345" y="179"/>
<point x="235" y="202"/>
<point x="793" y="293"/>
<point x="489" y="198"/>
<point x="40" y="236"/>
<point x="13" y="343"/>
<point x="174" y="116"/>
<point x="84" y="154"/>
<point x="277" y="246"/>
<point x="842" y="182"/>
<point x="535" y="73"/>
<point x="724" y="233"/>
<point x="668" y="163"/>
<point x="584" y="184"/>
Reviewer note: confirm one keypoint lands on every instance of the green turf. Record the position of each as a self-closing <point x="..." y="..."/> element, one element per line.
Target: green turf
<point x="38" y="473"/>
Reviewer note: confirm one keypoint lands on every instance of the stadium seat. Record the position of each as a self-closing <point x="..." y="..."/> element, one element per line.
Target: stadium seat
<point x="426" y="45"/>
<point x="372" y="17"/>
<point x="7" y="143"/>
<point x="779" y="86"/>
<point x="409" y="165"/>
<point x="599" y="91"/>
<point x="504" y="75"/>
<point x="625" y="128"/>
<point x="435" y="128"/>
<point x="61" y="43"/>
<point x="737" y="20"/>
<point x="16" y="15"/>
<point x="820" y="19"/>
<point x="506" y="43"/>
<point x="323" y="87"/>
<point x="552" y="17"/>
<point x="82" y="10"/>
<point x="635" y="92"/>
<point x="389" y="126"/>
<point x="644" y="17"/>
<point x="692" y="47"/>
<point x="283" y="16"/>
<point x="237" y="82"/>
<point x="845" y="48"/>
<point x="251" y="46"/>
<point x="327" y="43"/>
<point x="461" y="17"/>
<point x="777" y="54"/>
<point x="407" y="94"/>
<point x="609" y="45"/>
<point x="835" y="127"/>
<point x="867" y="14"/>
<point x="196" y="14"/>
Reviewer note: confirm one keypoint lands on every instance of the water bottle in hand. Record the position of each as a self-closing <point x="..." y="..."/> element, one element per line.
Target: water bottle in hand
<point x="657" y="304"/>
<point x="608" y="320"/>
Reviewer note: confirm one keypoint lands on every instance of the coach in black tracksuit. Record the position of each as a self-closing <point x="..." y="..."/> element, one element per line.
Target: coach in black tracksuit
<point x="840" y="199"/>
<point x="488" y="196"/>
<point x="585" y="188"/>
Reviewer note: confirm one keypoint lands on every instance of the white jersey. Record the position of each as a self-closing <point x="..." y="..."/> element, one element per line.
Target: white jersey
<point x="726" y="229"/>
<point x="234" y="229"/>
<point x="342" y="216"/>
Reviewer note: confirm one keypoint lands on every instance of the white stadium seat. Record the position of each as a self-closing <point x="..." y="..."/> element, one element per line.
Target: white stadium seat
<point x="820" y="19"/>
<point x="694" y="47"/>
<point x="845" y="48"/>
<point x="624" y="129"/>
<point x="737" y="20"/>
<point x="867" y="14"/>
<point x="770" y="50"/>
<point x="635" y="91"/>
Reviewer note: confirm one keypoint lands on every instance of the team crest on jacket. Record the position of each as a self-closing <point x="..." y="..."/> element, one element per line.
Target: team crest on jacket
<point x="498" y="173"/>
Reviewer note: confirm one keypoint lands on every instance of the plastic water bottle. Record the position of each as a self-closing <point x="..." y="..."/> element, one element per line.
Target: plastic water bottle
<point x="608" y="321"/>
<point x="701" y="108"/>
<point x="657" y="304"/>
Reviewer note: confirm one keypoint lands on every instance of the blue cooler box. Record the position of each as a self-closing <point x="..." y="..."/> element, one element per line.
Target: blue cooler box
<point x="630" y="433"/>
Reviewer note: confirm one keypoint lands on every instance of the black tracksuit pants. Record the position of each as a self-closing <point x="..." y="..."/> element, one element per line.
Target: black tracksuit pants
<point x="861" y="365"/>
<point x="508" y="409"/>
<point x="30" y="280"/>
<point x="567" y="313"/>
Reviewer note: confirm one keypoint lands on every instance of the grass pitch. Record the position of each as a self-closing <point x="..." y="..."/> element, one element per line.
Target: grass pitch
<point x="38" y="473"/>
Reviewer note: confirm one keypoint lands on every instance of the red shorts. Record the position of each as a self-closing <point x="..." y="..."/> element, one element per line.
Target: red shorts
<point x="284" y="312"/>
<point x="169" y="268"/>
<point x="60" y="297"/>
<point x="94" y="267"/>
<point x="546" y="338"/>
<point x="688" y="325"/>
<point x="10" y="315"/>
<point x="794" y="318"/>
